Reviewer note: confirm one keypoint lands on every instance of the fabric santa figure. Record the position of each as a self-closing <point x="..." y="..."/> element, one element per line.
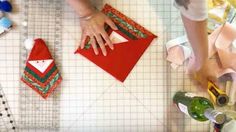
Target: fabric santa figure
<point x="41" y="73"/>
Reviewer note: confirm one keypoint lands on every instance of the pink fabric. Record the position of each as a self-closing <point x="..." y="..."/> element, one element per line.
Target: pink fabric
<point x="176" y="55"/>
<point x="220" y="42"/>
<point x="178" y="51"/>
<point x="223" y="36"/>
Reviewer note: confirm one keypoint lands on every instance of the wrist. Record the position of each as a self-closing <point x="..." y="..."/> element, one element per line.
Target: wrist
<point x="200" y="58"/>
<point x="88" y="14"/>
<point x="199" y="63"/>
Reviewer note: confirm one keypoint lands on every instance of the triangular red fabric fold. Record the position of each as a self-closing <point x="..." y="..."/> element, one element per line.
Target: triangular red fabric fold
<point x="120" y="61"/>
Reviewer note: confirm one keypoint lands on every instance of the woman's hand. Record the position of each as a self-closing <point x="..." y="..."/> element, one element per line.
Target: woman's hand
<point x="92" y="23"/>
<point x="94" y="28"/>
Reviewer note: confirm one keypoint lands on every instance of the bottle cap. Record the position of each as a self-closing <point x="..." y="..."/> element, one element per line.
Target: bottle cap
<point x="220" y="118"/>
<point x="215" y="116"/>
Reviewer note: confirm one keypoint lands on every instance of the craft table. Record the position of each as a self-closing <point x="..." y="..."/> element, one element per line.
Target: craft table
<point x="89" y="99"/>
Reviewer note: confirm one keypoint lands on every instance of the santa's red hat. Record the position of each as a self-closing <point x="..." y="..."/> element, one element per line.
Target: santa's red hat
<point x="40" y="51"/>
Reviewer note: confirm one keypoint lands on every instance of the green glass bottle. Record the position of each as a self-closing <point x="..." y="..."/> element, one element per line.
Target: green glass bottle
<point x="199" y="108"/>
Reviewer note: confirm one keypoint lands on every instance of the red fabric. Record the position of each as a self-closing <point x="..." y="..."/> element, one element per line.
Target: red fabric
<point x="120" y="61"/>
<point x="123" y="58"/>
<point x="39" y="92"/>
<point x="40" y="83"/>
<point x="40" y="51"/>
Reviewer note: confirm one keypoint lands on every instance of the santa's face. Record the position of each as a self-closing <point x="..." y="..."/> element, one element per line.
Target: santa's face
<point x="41" y="65"/>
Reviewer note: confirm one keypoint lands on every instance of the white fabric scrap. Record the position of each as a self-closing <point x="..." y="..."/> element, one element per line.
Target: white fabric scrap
<point x="182" y="43"/>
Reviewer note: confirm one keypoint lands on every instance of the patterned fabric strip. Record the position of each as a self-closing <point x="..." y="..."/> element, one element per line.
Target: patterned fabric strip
<point x="37" y="81"/>
<point x="131" y="36"/>
<point x="54" y="68"/>
<point x="131" y="29"/>
<point x="38" y="87"/>
<point x="107" y="8"/>
<point x="124" y="24"/>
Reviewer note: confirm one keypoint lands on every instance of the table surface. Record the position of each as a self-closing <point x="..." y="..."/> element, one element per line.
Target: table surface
<point x="89" y="98"/>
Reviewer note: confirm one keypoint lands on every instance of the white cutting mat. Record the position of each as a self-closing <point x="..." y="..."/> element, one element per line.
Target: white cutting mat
<point x="92" y="100"/>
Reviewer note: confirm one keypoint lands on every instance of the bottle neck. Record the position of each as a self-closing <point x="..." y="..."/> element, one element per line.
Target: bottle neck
<point x="215" y="116"/>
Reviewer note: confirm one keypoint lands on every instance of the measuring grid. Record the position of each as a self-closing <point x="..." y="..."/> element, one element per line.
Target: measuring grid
<point x="35" y="112"/>
<point x="90" y="99"/>
<point x="7" y="121"/>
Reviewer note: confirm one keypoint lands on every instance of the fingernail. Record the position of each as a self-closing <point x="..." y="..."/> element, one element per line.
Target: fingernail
<point x="112" y="47"/>
<point x="81" y="46"/>
<point x="105" y="54"/>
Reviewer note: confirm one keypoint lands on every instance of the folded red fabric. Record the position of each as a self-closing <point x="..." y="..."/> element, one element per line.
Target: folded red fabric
<point x="130" y="42"/>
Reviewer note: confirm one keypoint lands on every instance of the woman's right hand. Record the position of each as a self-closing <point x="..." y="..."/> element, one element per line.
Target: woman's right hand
<point x="94" y="28"/>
